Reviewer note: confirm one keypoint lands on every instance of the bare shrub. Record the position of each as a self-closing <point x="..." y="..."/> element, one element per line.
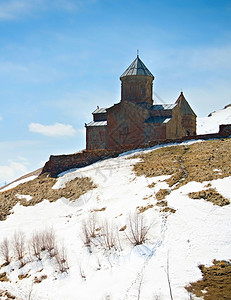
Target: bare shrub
<point x="41" y="241"/>
<point x="61" y="259"/>
<point x="50" y="241"/>
<point x="137" y="229"/>
<point x="19" y="244"/>
<point x="42" y="237"/>
<point x="5" y="251"/>
<point x="89" y="228"/>
<point x="35" y="245"/>
<point x="106" y="235"/>
<point x="108" y="239"/>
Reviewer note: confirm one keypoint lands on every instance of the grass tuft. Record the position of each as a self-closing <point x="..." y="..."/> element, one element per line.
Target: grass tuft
<point x="210" y="195"/>
<point x="216" y="282"/>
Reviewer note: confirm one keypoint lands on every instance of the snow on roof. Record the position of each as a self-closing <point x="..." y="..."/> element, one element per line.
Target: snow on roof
<point x="163" y="106"/>
<point x="99" y="123"/>
<point x="99" y="111"/>
<point x="158" y="119"/>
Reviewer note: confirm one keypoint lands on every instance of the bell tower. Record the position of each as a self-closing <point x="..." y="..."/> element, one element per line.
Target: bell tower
<point x="137" y="83"/>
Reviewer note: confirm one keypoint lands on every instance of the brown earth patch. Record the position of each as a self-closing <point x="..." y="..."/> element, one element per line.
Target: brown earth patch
<point x="162" y="161"/>
<point x="142" y="209"/>
<point x="6" y="295"/>
<point x="196" y="162"/>
<point x="216" y="282"/>
<point x="210" y="195"/>
<point x="98" y="209"/>
<point x="3" y="277"/>
<point x="152" y="185"/>
<point x="40" y="279"/>
<point x="21" y="277"/>
<point x="162" y="193"/>
<point x="41" y="188"/>
<point x="164" y="206"/>
<point x="123" y="228"/>
<point x="202" y="159"/>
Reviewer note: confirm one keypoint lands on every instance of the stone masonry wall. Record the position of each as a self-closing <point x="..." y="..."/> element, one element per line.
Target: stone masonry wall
<point x="60" y="163"/>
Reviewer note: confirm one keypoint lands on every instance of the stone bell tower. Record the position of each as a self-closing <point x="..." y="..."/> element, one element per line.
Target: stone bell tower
<point x="137" y="83"/>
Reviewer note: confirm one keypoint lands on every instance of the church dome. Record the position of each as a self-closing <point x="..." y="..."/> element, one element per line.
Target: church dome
<point x="137" y="67"/>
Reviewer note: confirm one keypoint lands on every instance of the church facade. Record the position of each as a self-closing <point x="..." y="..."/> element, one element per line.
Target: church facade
<point x="136" y="119"/>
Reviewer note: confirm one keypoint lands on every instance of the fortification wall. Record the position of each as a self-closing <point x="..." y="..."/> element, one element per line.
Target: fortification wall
<point x="60" y="163"/>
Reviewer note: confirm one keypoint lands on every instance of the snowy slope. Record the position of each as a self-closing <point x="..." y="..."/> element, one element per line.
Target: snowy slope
<point x="187" y="238"/>
<point x="211" y="124"/>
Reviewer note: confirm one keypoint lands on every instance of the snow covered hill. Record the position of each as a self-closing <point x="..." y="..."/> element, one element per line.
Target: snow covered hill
<point x="126" y="233"/>
<point x="211" y="123"/>
<point x="107" y="264"/>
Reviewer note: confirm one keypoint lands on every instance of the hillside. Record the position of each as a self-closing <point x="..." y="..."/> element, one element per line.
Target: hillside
<point x="211" y="123"/>
<point x="81" y="239"/>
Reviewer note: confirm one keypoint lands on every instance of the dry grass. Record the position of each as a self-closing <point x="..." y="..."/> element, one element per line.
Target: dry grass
<point x="152" y="185"/>
<point x="142" y="209"/>
<point x="210" y="195"/>
<point x="21" y="277"/>
<point x="216" y="282"/>
<point x="39" y="279"/>
<point x="196" y="162"/>
<point x="41" y="188"/>
<point x="6" y="295"/>
<point x="162" y="193"/>
<point x="98" y="209"/>
<point x="202" y="159"/>
<point x="123" y="228"/>
<point x="3" y="277"/>
<point x="162" y="161"/>
<point x="164" y="206"/>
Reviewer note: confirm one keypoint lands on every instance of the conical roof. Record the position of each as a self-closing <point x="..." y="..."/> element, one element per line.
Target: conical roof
<point x="137" y="67"/>
<point x="185" y="107"/>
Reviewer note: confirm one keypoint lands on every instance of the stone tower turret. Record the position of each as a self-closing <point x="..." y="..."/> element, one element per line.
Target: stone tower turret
<point x="137" y="83"/>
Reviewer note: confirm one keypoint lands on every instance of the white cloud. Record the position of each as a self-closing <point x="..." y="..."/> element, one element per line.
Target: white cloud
<point x="14" y="9"/>
<point x="57" y="129"/>
<point x="0" y="118"/>
<point x="194" y="58"/>
<point x="11" y="172"/>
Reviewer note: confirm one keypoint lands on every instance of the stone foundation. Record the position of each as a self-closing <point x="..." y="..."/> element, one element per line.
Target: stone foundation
<point x="60" y="163"/>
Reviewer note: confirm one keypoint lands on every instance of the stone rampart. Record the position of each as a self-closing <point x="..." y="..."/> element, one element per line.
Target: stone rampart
<point x="60" y="163"/>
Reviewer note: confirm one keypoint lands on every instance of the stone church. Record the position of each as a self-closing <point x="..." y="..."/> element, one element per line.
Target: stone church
<point x="136" y="119"/>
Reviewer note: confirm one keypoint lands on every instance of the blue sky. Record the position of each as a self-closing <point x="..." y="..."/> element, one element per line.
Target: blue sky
<point x="59" y="59"/>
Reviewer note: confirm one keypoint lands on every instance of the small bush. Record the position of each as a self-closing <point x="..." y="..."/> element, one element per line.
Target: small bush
<point x="89" y="229"/>
<point x="19" y="245"/>
<point x="108" y="238"/>
<point x="137" y="229"/>
<point x="36" y="245"/>
<point x="41" y="241"/>
<point x="61" y="259"/>
<point x="50" y="241"/>
<point x="5" y="251"/>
